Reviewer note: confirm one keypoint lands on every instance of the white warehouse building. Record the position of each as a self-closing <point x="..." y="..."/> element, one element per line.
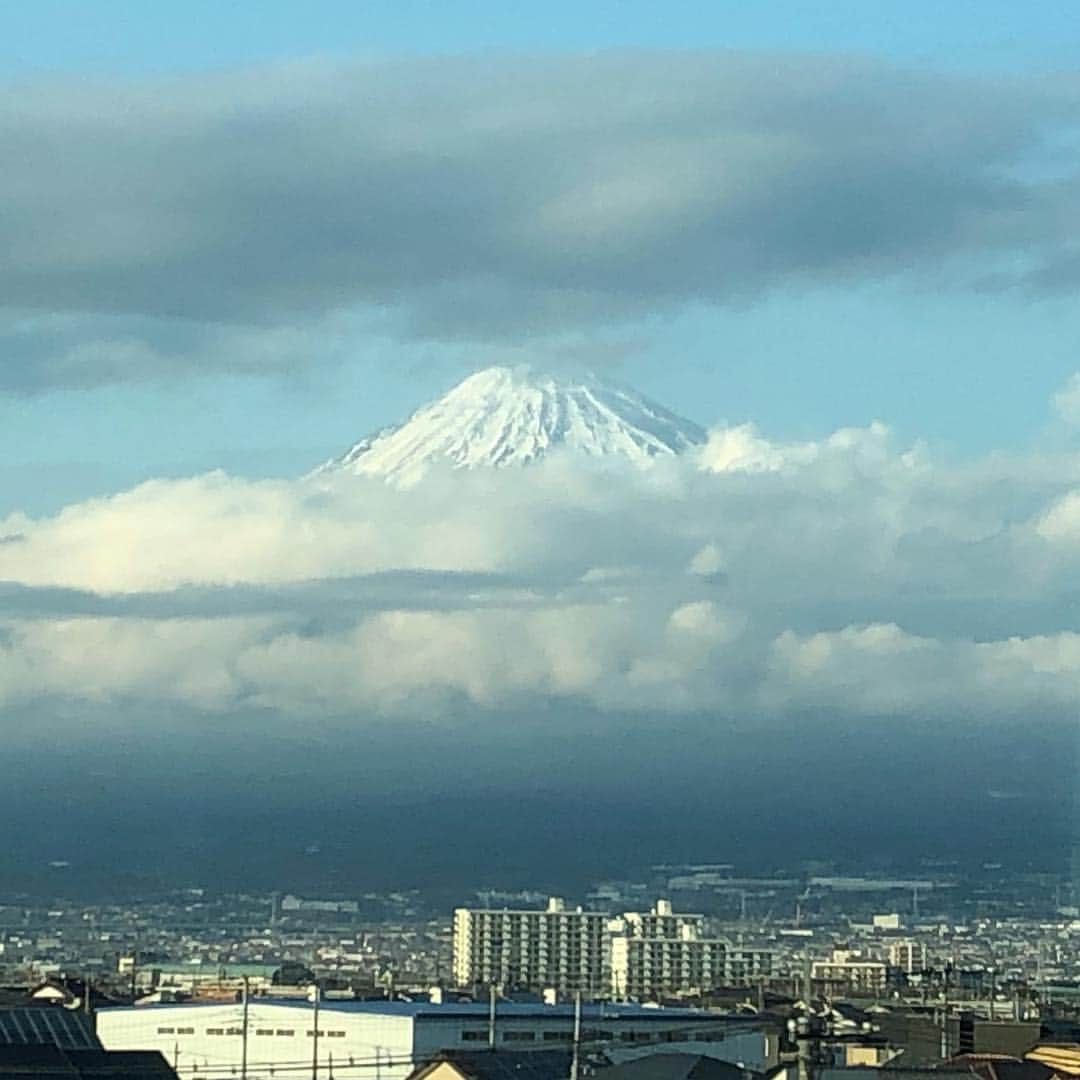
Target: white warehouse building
<point x="384" y="1040"/>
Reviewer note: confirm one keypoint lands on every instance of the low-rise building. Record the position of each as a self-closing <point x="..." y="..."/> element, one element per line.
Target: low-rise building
<point x="387" y="1039"/>
<point x="848" y="971"/>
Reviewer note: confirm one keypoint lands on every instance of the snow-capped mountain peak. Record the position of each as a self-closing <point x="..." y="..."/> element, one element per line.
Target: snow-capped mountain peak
<point x="514" y="416"/>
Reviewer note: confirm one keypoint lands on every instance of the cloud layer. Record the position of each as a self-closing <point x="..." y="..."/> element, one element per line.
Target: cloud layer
<point x="180" y="222"/>
<point x="756" y="579"/>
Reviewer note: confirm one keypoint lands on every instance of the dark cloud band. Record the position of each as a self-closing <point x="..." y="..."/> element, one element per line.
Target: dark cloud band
<point x="498" y="198"/>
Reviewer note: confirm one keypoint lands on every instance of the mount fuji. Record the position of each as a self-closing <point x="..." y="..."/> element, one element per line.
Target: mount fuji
<point x="514" y="416"/>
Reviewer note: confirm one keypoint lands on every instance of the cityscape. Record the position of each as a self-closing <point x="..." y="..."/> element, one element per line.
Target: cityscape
<point x="895" y="971"/>
<point x="539" y="541"/>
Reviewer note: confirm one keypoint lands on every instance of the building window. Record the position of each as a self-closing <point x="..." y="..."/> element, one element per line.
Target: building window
<point x="185" y="1031"/>
<point x="286" y="1031"/>
<point x="311" y="1033"/>
<point x="166" y="1031"/>
<point x="518" y="1036"/>
<point x="556" y="1036"/>
<point x="474" y="1036"/>
<point x="215" y="1031"/>
<point x="264" y="1031"/>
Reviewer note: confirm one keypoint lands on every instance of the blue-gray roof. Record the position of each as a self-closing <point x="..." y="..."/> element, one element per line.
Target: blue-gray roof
<point x="48" y="1025"/>
<point x="476" y="1010"/>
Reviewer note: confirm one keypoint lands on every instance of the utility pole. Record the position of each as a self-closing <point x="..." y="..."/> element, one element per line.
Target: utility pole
<point x="244" y="1034"/>
<point x="945" y="1012"/>
<point x="315" y="1035"/>
<point x="808" y="1031"/>
<point x="575" y="1057"/>
<point x="491" y="1016"/>
<point x="804" y="1069"/>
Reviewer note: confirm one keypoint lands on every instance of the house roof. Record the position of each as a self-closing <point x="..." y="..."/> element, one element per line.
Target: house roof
<point x="478" y="1010"/>
<point x="1002" y="1067"/>
<point x="675" y="1067"/>
<point x="33" y="1062"/>
<point x="1061" y="1057"/>
<point x="47" y="1025"/>
<point x="502" y="1064"/>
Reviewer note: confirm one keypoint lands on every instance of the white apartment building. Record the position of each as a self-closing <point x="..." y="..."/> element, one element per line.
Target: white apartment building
<point x="663" y="954"/>
<point x="908" y="956"/>
<point x="636" y="956"/>
<point x="661" y="922"/>
<point x="643" y="969"/>
<point x="556" y="949"/>
<point x="851" y="971"/>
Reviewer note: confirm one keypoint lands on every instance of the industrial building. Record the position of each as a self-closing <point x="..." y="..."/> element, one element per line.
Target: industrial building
<point x="384" y="1040"/>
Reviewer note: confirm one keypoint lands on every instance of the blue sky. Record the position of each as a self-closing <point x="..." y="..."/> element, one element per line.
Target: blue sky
<point x="135" y="37"/>
<point x="965" y="369"/>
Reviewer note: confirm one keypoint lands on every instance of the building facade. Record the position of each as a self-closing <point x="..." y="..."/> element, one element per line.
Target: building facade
<point x="908" y="956"/>
<point x="386" y="1040"/>
<point x="662" y="954"/>
<point x="633" y="957"/>
<point x="848" y="971"/>
<point x="557" y="949"/>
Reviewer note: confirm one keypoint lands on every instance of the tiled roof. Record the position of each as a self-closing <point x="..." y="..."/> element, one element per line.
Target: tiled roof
<point x="48" y="1025"/>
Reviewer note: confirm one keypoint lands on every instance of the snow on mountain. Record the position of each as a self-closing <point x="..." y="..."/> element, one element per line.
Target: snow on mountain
<point x="514" y="416"/>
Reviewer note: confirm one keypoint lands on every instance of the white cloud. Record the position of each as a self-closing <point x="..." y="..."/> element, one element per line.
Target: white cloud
<point x="188" y="661"/>
<point x="879" y="669"/>
<point x="1066" y="401"/>
<point x="1061" y="521"/>
<point x="846" y="575"/>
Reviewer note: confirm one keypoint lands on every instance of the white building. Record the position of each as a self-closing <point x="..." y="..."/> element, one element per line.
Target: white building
<point x="643" y="969"/>
<point x="850" y="971"/>
<point x="558" y="949"/>
<point x="383" y="1040"/>
<point x="636" y="956"/>
<point x="660" y="922"/>
<point x="908" y="956"/>
<point x="663" y="954"/>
